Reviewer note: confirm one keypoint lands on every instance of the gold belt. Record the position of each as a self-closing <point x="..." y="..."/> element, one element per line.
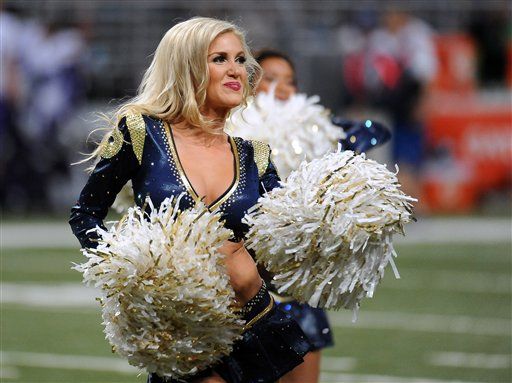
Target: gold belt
<point x="263" y="312"/>
<point x="281" y="298"/>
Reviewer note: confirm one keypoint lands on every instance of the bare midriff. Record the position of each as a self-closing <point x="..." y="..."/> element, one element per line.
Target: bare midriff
<point x="242" y="271"/>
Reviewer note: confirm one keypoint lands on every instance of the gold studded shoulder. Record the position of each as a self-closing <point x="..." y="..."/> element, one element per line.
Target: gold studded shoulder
<point x="137" y="129"/>
<point x="112" y="145"/>
<point x="261" y="156"/>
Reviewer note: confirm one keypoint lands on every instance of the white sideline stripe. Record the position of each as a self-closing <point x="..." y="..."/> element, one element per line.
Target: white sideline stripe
<point x="426" y="230"/>
<point x="326" y="377"/>
<point x="61" y="295"/>
<point x="385" y="320"/>
<point x="332" y="363"/>
<point x="67" y="362"/>
<point x="459" y="281"/>
<point x="466" y="360"/>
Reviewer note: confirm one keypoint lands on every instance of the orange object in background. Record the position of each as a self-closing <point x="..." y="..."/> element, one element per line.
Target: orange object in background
<point x="456" y="72"/>
<point x="470" y="136"/>
<point x="476" y="139"/>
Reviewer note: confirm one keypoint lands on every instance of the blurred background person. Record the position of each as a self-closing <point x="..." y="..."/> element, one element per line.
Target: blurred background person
<point x="390" y="67"/>
<point x="408" y="41"/>
<point x="14" y="149"/>
<point x="52" y="63"/>
<point x="42" y="87"/>
<point x="279" y="77"/>
<point x="298" y="127"/>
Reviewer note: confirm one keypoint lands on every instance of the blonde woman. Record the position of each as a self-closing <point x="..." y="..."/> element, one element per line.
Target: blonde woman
<point x="170" y="140"/>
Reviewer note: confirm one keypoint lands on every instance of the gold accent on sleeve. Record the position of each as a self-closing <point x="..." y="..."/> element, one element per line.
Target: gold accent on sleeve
<point x="261" y="156"/>
<point x="137" y="129"/>
<point x="112" y="144"/>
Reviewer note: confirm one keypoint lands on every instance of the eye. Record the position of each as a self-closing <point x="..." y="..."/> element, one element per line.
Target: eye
<point x="241" y="60"/>
<point x="219" y="59"/>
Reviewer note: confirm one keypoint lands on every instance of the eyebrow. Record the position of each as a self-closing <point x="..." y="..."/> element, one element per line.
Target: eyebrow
<point x="225" y="53"/>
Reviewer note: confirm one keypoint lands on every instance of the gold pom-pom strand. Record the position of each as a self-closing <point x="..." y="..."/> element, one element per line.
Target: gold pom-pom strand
<point x="167" y="304"/>
<point x="326" y="235"/>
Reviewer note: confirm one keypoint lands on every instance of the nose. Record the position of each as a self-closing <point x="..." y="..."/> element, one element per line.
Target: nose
<point x="284" y="91"/>
<point x="234" y="69"/>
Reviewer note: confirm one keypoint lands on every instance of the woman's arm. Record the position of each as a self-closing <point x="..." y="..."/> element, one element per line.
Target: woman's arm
<point x="116" y="166"/>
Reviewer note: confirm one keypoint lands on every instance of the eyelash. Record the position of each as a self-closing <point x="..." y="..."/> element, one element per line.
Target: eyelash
<point x="221" y="59"/>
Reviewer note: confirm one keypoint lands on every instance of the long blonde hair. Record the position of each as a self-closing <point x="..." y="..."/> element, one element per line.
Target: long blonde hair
<point x="173" y="88"/>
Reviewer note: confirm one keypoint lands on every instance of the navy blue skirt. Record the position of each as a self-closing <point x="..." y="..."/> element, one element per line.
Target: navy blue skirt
<point x="271" y="347"/>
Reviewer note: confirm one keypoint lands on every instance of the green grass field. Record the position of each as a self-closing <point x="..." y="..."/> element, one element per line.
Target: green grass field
<point x="447" y="319"/>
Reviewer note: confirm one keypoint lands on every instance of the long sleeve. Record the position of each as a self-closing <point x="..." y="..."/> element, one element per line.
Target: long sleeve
<point x="110" y="174"/>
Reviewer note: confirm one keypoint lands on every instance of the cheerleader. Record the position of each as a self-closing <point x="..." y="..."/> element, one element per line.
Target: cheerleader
<point x="169" y="140"/>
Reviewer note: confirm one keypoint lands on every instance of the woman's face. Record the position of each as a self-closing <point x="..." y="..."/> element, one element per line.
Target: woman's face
<point x="277" y="70"/>
<point x="228" y="74"/>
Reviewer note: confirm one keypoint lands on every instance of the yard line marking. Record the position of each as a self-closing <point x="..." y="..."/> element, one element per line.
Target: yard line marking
<point x="109" y="364"/>
<point x="37" y="235"/>
<point x="61" y="295"/>
<point x="457" y="230"/>
<point x="9" y="373"/>
<point x="67" y="362"/>
<point x="386" y="320"/>
<point x="55" y="309"/>
<point x="426" y="231"/>
<point x="75" y="295"/>
<point x="459" y="281"/>
<point x="332" y="363"/>
<point x="326" y="377"/>
<point x="467" y="360"/>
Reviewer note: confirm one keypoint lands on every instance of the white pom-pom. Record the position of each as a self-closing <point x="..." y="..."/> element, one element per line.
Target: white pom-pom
<point x="296" y="129"/>
<point x="327" y="233"/>
<point x="167" y="304"/>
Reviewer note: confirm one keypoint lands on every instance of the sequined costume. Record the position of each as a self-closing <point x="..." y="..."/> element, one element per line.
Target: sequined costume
<point x="142" y="150"/>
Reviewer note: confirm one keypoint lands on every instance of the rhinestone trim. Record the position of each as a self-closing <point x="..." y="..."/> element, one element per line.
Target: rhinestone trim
<point x="112" y="145"/>
<point x="137" y="128"/>
<point x="261" y="156"/>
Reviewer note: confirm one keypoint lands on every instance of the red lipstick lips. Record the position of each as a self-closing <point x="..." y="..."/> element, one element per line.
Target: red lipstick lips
<point x="236" y="86"/>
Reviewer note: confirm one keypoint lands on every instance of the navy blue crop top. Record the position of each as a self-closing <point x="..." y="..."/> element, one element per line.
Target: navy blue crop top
<point x="142" y="149"/>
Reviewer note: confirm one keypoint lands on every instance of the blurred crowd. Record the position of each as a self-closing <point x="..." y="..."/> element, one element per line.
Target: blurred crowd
<point x="389" y="60"/>
<point x="42" y="66"/>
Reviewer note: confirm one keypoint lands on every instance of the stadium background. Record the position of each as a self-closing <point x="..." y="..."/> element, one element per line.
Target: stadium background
<point x="447" y="319"/>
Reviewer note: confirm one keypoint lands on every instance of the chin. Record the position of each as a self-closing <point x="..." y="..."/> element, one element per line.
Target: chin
<point x="227" y="103"/>
<point x="233" y="103"/>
